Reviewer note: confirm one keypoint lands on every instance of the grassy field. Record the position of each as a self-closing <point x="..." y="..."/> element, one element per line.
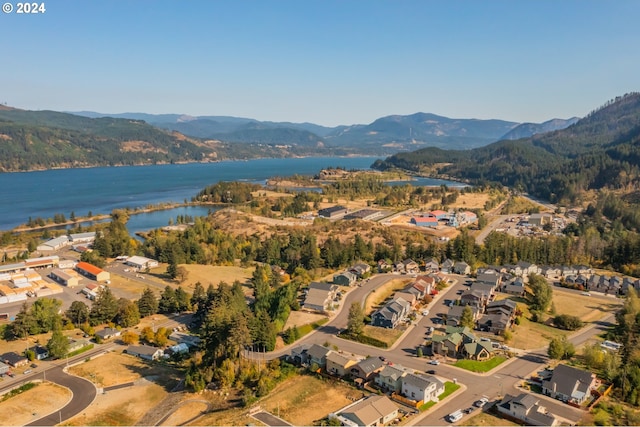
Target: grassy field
<point x="480" y="366"/>
<point x="378" y="296"/>
<point x="302" y="400"/>
<point x="449" y="388"/>
<point x="470" y="201"/>
<point x="531" y="335"/>
<point x="206" y="274"/>
<point x="33" y="404"/>
<point x="386" y="335"/>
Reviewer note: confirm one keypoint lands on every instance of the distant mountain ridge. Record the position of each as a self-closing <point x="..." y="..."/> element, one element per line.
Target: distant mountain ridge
<point x="526" y="130"/>
<point x="599" y="151"/>
<point x="384" y="135"/>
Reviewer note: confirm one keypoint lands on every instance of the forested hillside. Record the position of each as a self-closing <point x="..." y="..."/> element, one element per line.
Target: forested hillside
<point x="600" y="151"/>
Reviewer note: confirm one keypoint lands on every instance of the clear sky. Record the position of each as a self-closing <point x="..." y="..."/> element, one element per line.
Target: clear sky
<point x="322" y="61"/>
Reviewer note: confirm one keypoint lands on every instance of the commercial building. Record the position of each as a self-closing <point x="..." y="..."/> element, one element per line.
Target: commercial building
<point x="92" y="272"/>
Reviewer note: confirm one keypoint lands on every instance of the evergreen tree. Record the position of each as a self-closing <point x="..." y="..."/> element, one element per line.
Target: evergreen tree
<point x="183" y="300"/>
<point x="23" y="323"/>
<point x="148" y="303"/>
<point x="58" y="345"/>
<point x="355" y="322"/>
<point x="541" y="293"/>
<point x="466" y="319"/>
<point x="128" y="313"/>
<point x="168" y="302"/>
<point x="78" y="313"/>
<point x="104" y="308"/>
<point x="199" y="296"/>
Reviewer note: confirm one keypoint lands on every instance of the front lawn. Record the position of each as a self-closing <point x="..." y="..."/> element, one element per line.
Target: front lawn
<point x="476" y="366"/>
<point x="449" y="388"/>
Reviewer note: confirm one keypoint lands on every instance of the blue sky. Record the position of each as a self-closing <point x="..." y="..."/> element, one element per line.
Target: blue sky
<point x="327" y="62"/>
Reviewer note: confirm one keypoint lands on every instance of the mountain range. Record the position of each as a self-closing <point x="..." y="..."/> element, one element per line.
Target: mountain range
<point x="49" y="139"/>
<point x="600" y="151"/>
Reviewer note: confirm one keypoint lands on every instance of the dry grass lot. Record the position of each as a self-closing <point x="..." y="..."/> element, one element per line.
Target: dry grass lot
<point x="302" y="400"/>
<point x="485" y="419"/>
<point x="185" y="413"/>
<point x="127" y="405"/>
<point x="41" y="400"/>
<point x="206" y="274"/>
<point x="378" y="296"/>
<point x="530" y="335"/>
<point x="299" y="318"/>
<point x="471" y="201"/>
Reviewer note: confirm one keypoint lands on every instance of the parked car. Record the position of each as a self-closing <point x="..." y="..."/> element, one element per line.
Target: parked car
<point x="469" y="410"/>
<point x="481" y="402"/>
<point x="434" y="362"/>
<point x="431" y="372"/>
<point x="455" y="416"/>
<point x="586" y="294"/>
<point x="28" y="371"/>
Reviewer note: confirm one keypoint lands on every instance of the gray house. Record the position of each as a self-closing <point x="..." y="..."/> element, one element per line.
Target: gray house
<point x="345" y="279"/>
<point x="527" y="409"/>
<point x="569" y="384"/>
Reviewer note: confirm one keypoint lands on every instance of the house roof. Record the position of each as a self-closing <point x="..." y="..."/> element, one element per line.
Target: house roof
<point x="476" y="348"/>
<point x="506" y="303"/>
<point x="317" y="351"/>
<point x="455" y="312"/>
<point x="370" y="364"/>
<point x="417" y="381"/>
<point x="143" y="349"/>
<point x="337" y="358"/>
<point x="393" y="372"/>
<point x="316" y="297"/>
<point x="370" y="410"/>
<point x="533" y="410"/>
<point x="107" y="332"/>
<point x="570" y="381"/>
<point x="12" y="358"/>
<point x="322" y="286"/>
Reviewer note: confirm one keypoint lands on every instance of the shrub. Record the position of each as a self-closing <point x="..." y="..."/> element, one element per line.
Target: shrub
<point x="567" y="322"/>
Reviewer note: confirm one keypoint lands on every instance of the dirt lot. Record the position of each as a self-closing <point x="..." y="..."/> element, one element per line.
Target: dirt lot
<point x="206" y="274"/>
<point x="186" y="412"/>
<point x="297" y="399"/>
<point x="38" y="402"/>
<point x="485" y="419"/>
<point x="299" y="318"/>
<point x="471" y="201"/>
<point x="127" y="405"/>
<point x="530" y="335"/>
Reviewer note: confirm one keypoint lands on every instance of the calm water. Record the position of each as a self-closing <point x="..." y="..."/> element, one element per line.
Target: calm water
<point x="100" y="190"/>
<point x="157" y="219"/>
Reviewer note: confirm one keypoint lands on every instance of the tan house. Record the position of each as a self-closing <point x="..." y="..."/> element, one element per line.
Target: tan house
<point x="371" y="411"/>
<point x="338" y="364"/>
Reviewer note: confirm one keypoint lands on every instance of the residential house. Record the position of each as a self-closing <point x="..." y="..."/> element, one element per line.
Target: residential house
<point x="461" y="267"/>
<point x="317" y="354"/>
<point x="75" y="345"/>
<point x="527" y="409"/>
<point x="569" y="384"/>
<point x="338" y="364"/>
<point x="389" y="315"/>
<point x="451" y="344"/>
<point x="181" y="348"/>
<point x="410" y="297"/>
<point x="108" y="333"/>
<point x="184" y="338"/>
<point x="551" y="272"/>
<point x="370" y="411"/>
<point x="145" y="352"/>
<point x="410" y="266"/>
<point x="514" y="287"/>
<point x="368" y="368"/>
<point x="319" y="296"/>
<point x="431" y="264"/>
<point x="505" y="306"/>
<point x="567" y="271"/>
<point x="475" y="298"/>
<point x="40" y="352"/>
<point x="496" y="323"/>
<point x="384" y="266"/>
<point x="346" y="278"/>
<point x="298" y="355"/>
<point x="423" y="286"/>
<point x="390" y="378"/>
<point x="493" y="279"/>
<point x="14" y="359"/>
<point x="421" y="388"/>
<point x="584" y="269"/>
<point x="454" y="315"/>
<point x="615" y="284"/>
<point x="360" y="269"/>
<point x="4" y="368"/>
<point x="516" y="270"/>
<point x="528" y="268"/>
<point x="478" y="350"/>
<point x="398" y="266"/>
<point x="447" y="266"/>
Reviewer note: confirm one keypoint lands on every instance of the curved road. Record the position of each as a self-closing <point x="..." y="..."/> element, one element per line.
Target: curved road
<point x="83" y="394"/>
<point x="502" y="380"/>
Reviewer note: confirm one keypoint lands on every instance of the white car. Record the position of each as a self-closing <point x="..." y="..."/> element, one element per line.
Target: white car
<point x="425" y="312"/>
<point x="455" y="416"/>
<point x="434" y="362"/>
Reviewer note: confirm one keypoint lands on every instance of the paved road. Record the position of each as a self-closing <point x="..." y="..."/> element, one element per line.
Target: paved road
<point x="270" y="419"/>
<point x="502" y="380"/>
<point x="83" y="394"/>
